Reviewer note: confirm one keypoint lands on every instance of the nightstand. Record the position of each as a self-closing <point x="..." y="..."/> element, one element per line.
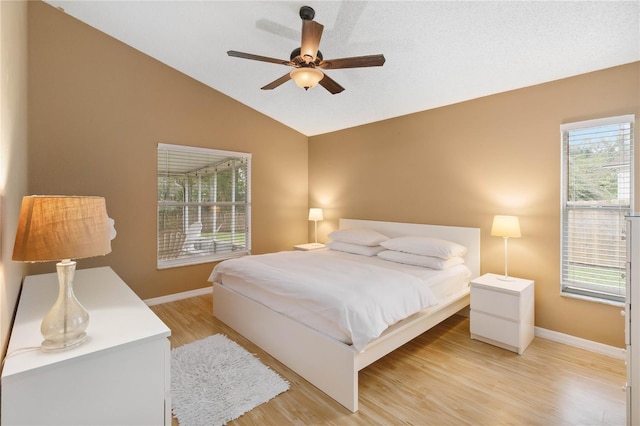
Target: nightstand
<point x="502" y="312"/>
<point x="309" y="246"/>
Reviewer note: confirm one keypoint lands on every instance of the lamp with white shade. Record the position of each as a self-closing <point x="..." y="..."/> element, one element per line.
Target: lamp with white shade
<point x="506" y="227"/>
<point x="315" y="214"/>
<point x="62" y="228"/>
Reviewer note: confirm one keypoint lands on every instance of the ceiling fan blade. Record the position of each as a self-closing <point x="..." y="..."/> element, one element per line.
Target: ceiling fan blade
<point x="277" y="82"/>
<point x="330" y="84"/>
<point x="353" y="62"/>
<point x="311" y="34"/>
<point x="258" y="58"/>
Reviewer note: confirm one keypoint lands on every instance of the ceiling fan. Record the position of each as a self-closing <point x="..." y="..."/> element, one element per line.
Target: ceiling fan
<point x="306" y="59"/>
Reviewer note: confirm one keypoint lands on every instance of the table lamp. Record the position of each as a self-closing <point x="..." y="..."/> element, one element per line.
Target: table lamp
<point x="62" y="228"/>
<point x="506" y="227"/>
<point x="315" y="215"/>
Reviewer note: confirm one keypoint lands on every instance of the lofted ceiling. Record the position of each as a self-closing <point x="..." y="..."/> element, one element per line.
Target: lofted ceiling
<point x="437" y="52"/>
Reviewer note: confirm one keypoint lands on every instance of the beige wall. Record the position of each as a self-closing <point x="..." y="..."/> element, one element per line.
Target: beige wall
<point x="98" y="109"/>
<point x="462" y="164"/>
<point x="13" y="152"/>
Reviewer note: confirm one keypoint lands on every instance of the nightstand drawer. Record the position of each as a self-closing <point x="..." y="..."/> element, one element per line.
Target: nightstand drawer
<point x="494" y="328"/>
<point x="498" y="304"/>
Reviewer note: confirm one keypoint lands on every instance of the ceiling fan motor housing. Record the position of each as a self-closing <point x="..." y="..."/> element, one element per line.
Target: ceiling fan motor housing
<point x="296" y="58"/>
<point x="307" y="13"/>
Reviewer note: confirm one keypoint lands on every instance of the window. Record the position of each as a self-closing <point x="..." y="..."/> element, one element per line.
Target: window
<point x="204" y="205"/>
<point x="597" y="194"/>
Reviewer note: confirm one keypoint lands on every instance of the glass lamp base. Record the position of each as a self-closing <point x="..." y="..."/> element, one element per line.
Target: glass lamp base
<point x="55" y="345"/>
<point x="65" y="324"/>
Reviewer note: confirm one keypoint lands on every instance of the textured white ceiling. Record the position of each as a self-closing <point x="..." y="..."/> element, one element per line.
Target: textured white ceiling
<point x="437" y="52"/>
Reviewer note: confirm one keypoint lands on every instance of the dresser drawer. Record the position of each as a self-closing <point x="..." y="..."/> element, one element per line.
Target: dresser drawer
<point x="497" y="303"/>
<point x="495" y="328"/>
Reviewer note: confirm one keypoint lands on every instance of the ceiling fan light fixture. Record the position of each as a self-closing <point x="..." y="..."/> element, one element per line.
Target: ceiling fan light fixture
<point x="306" y="77"/>
<point x="306" y="58"/>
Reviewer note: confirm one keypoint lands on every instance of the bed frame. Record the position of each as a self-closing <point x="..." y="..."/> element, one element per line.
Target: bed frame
<point x="328" y="364"/>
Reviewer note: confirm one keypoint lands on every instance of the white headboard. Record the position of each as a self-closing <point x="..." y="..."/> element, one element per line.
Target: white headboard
<point x="468" y="237"/>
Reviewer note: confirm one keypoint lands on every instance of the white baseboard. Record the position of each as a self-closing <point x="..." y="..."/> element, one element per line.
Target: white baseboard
<point x="178" y="296"/>
<point x="578" y="342"/>
<point x="566" y="339"/>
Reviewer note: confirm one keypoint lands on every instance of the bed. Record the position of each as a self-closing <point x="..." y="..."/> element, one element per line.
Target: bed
<point x="327" y="361"/>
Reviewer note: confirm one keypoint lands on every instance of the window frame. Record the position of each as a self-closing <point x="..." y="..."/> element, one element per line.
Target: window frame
<point x="193" y="259"/>
<point x="590" y="290"/>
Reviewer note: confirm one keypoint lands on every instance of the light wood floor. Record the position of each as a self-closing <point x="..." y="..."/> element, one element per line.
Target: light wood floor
<point x="440" y="378"/>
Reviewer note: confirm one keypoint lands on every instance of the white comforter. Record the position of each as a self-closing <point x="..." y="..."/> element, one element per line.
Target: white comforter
<point x="361" y="301"/>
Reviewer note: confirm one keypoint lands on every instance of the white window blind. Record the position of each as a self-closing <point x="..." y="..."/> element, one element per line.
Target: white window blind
<point x="204" y="205"/>
<point x="597" y="194"/>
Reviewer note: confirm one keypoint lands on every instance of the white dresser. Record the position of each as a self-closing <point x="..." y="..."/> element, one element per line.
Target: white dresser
<point x="502" y="312"/>
<point x="120" y="376"/>
<point x="632" y="323"/>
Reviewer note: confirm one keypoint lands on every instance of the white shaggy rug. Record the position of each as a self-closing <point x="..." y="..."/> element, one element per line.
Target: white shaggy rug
<point x="215" y="380"/>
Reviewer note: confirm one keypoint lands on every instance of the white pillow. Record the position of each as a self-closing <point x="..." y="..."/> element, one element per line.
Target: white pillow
<point x="425" y="246"/>
<point x="419" y="260"/>
<point x="355" y="248"/>
<point x="361" y="236"/>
